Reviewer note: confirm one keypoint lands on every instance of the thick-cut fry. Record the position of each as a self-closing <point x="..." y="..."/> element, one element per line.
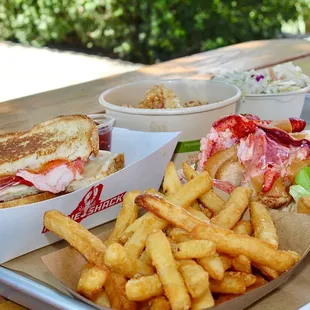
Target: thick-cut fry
<point x="263" y="225"/>
<point x="226" y="261"/>
<point x="243" y="228"/>
<point x="159" y="249"/>
<point x="127" y="215"/>
<point x="198" y="214"/>
<point x="242" y="263"/>
<point x="256" y="250"/>
<point x="159" y="303"/>
<point x="234" y="208"/>
<point x="260" y="281"/>
<point x="195" y="205"/>
<point x="203" y="302"/>
<point x="228" y="285"/>
<point x="249" y="279"/>
<point x="145" y="257"/>
<point x="207" y="212"/>
<point x="102" y="299"/>
<point x="212" y="201"/>
<point x="178" y="234"/>
<point x="213" y="265"/>
<point x="129" y="231"/>
<point x="171" y="181"/>
<point x="209" y="200"/>
<point x="270" y="273"/>
<point x="90" y="246"/>
<point x="115" y="289"/>
<point x="135" y="245"/>
<point x="226" y="240"/>
<point x="183" y="197"/>
<point x="144" y="288"/>
<point x="92" y="280"/>
<point x="193" y="249"/>
<point x="191" y="190"/>
<point x="117" y="259"/>
<point x="195" y="277"/>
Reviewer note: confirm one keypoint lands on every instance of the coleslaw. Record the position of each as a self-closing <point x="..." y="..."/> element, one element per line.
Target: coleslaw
<point x="279" y="79"/>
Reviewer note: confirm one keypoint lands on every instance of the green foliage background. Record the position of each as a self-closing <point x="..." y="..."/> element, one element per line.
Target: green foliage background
<point x="145" y="30"/>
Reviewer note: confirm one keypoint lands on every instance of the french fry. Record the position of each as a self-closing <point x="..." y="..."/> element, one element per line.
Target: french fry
<point x="190" y="191"/>
<point x="210" y="200"/>
<point x="145" y="257"/>
<point x="228" y="285"/>
<point x="127" y="215"/>
<point x="136" y="243"/>
<point x="120" y="262"/>
<point x="270" y="273"/>
<point x="195" y="205"/>
<point x="92" y="280"/>
<point x="203" y="302"/>
<point x="256" y="250"/>
<point x="162" y="208"/>
<point x="263" y="225"/>
<point x="159" y="303"/>
<point x="178" y="234"/>
<point x="115" y="289"/>
<point x="102" y="299"/>
<point x="226" y="240"/>
<point x="129" y="231"/>
<point x="234" y="208"/>
<point x="213" y="265"/>
<point x="171" y="181"/>
<point x="207" y="212"/>
<point x="249" y="279"/>
<point x="159" y="249"/>
<point x="226" y="261"/>
<point x="243" y="228"/>
<point x="90" y="246"/>
<point x="193" y="249"/>
<point x="195" y="277"/>
<point x="198" y="214"/>
<point x="260" y="281"/>
<point x="144" y="288"/>
<point x="242" y="263"/>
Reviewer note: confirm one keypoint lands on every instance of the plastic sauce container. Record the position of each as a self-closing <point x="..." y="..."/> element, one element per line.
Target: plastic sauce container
<point x="105" y="125"/>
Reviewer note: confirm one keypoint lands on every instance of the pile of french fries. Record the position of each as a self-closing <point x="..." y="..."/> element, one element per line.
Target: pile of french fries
<point x="190" y="250"/>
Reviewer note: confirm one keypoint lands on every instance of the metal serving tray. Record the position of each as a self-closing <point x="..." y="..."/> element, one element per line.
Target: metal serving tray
<point x="35" y="294"/>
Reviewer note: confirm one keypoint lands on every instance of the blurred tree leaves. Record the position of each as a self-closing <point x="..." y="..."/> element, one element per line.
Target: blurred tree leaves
<point x="145" y="30"/>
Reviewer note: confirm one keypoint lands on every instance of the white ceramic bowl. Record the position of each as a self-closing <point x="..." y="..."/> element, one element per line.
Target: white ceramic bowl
<point x="274" y="106"/>
<point x="194" y="122"/>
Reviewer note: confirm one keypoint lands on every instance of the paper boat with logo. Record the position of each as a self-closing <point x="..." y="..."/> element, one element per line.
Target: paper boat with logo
<point x="146" y="157"/>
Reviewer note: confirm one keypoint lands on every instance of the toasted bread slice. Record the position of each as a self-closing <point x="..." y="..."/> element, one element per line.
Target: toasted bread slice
<point x="26" y="200"/>
<point x="64" y="137"/>
<point x="104" y="164"/>
<point x="272" y="201"/>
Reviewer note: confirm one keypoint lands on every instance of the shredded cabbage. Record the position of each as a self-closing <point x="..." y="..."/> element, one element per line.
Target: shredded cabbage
<point x="281" y="78"/>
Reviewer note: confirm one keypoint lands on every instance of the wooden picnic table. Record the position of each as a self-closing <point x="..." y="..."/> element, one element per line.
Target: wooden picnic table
<point x="22" y="113"/>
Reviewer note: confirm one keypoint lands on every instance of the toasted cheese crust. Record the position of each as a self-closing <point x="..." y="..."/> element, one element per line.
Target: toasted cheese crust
<point x="64" y="137"/>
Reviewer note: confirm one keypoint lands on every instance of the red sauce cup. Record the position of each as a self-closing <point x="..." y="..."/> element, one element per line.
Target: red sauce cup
<point x="105" y="125"/>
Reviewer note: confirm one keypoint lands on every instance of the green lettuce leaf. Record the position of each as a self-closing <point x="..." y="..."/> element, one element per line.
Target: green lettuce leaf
<point x="303" y="178"/>
<point x="297" y="191"/>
